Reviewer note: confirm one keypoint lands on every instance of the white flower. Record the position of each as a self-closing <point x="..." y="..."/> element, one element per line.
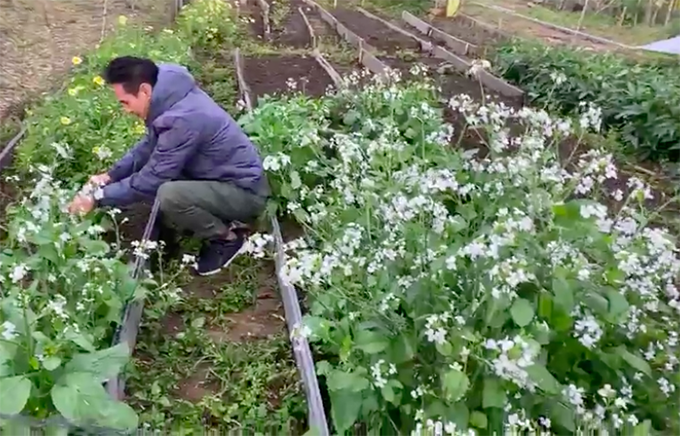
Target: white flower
<point x="8" y="331"/>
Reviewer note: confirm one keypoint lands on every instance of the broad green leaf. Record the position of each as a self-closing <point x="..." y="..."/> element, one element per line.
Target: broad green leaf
<point x="345" y="407"/>
<point x="543" y="378"/>
<point x="563" y="416"/>
<point x="643" y="429"/>
<point x="370" y="342"/>
<point x="493" y="395"/>
<point x="478" y="419"/>
<point x="80" y="340"/>
<point x="522" y="312"/>
<point x="634" y="361"/>
<point x="340" y="380"/>
<point x="564" y="295"/>
<point x="455" y="383"/>
<point x="20" y="389"/>
<point x="51" y="363"/>
<point x="81" y="399"/>
<point x="618" y="305"/>
<point x="7" y="352"/>
<point x="445" y="348"/>
<point x="103" y="364"/>
<point x="388" y="393"/>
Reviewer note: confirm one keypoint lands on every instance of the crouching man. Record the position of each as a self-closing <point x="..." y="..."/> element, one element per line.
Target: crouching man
<point x="195" y="159"/>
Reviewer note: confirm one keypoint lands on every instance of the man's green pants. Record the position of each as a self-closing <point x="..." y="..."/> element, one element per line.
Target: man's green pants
<point x="206" y="208"/>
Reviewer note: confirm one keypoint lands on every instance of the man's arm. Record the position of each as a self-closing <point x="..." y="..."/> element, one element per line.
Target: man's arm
<point x="135" y="158"/>
<point x="176" y="144"/>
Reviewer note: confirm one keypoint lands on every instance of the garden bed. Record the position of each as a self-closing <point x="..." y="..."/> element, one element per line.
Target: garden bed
<point x="375" y="33"/>
<point x="288" y="26"/>
<point x="271" y="74"/>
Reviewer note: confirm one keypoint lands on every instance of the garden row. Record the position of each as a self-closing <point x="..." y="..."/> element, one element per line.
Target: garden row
<point x="637" y="95"/>
<point x="67" y="282"/>
<point x="511" y="286"/>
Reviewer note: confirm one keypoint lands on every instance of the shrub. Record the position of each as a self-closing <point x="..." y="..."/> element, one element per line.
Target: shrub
<point x="639" y="100"/>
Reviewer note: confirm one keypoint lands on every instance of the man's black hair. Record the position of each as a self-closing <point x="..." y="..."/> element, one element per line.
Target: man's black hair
<point x="131" y="72"/>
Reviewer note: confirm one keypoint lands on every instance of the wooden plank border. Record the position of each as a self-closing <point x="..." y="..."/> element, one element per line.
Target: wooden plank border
<point x="310" y="29"/>
<point x="364" y="50"/>
<point x="458" y="46"/>
<point x="264" y="7"/>
<point x="487" y="79"/>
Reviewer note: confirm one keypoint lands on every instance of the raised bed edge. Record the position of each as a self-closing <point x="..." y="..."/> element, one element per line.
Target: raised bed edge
<point x="373" y="64"/>
<point x="127" y="332"/>
<point x="310" y="29"/>
<point x="264" y="7"/>
<point x="487" y="79"/>
<point x="301" y="350"/>
<point x="458" y="45"/>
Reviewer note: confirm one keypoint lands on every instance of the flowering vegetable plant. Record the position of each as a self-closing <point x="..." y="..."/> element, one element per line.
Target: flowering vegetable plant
<point x="500" y="289"/>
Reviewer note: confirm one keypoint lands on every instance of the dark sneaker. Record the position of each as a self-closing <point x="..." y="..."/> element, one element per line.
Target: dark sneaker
<point x="218" y="254"/>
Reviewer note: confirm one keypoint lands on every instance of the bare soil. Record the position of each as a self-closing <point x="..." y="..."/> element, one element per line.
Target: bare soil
<point x="267" y="75"/>
<point x="374" y="32"/>
<point x="38" y="38"/>
<point x="293" y="30"/>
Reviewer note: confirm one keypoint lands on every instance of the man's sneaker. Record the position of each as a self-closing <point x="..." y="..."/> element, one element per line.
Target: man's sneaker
<point x="218" y="254"/>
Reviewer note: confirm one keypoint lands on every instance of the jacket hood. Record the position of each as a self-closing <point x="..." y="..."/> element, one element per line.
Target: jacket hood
<point x="173" y="84"/>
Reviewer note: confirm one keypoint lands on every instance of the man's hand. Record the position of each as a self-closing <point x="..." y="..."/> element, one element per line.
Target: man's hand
<point x="100" y="179"/>
<point x="81" y="204"/>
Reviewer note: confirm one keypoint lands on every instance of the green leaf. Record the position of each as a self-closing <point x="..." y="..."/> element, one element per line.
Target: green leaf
<point x="81" y="399"/>
<point x="80" y="340"/>
<point x="370" y="342"/>
<point x="478" y="419"/>
<point x="493" y="395"/>
<point x="388" y="393"/>
<point x="618" y="305"/>
<point x="51" y="363"/>
<point x="345" y="407"/>
<point x="643" y="429"/>
<point x="564" y="295"/>
<point x="544" y="379"/>
<point x="445" y="348"/>
<point x="634" y="361"/>
<point x="522" y="312"/>
<point x="563" y="416"/>
<point x="20" y="389"/>
<point x="340" y="380"/>
<point x="103" y="364"/>
<point x="455" y="383"/>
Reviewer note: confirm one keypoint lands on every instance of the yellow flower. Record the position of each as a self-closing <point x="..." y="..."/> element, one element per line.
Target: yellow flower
<point x="139" y="128"/>
<point x="77" y="60"/>
<point x="122" y="20"/>
<point x="98" y="80"/>
<point x="65" y="121"/>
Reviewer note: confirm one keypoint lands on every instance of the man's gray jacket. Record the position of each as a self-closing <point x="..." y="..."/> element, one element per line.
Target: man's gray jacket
<point x="189" y="137"/>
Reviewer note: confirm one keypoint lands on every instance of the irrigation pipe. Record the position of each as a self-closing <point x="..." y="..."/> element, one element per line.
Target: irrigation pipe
<point x="291" y="305"/>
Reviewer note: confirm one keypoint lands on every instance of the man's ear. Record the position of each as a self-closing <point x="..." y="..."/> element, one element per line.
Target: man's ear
<point x="145" y="89"/>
